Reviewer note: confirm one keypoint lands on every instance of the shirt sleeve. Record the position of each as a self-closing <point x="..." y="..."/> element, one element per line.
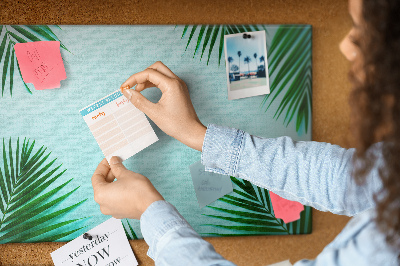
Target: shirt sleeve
<point x="172" y="241"/>
<point x="313" y="173"/>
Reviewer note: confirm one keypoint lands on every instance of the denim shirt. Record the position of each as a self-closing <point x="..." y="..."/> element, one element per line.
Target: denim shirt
<point x="312" y="173"/>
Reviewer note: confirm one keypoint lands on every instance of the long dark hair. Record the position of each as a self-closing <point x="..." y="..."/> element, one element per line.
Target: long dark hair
<point x="375" y="103"/>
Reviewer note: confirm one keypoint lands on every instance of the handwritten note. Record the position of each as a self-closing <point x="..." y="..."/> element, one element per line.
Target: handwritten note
<point x="288" y="211"/>
<point x="41" y="63"/>
<point x="209" y="186"/>
<point x="118" y="126"/>
<point x="108" y="246"/>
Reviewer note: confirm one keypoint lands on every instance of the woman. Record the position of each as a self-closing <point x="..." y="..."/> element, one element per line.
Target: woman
<point x="363" y="183"/>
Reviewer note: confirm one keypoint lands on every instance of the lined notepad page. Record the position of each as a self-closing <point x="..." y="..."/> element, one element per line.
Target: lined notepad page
<point x="118" y="126"/>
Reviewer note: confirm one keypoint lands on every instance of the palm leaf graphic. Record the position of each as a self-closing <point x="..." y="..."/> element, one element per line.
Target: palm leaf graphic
<point x="27" y="210"/>
<point x="20" y="34"/>
<point x="293" y="73"/>
<point x="252" y="214"/>
<point x="208" y="34"/>
<point x="130" y="234"/>
<point x="289" y="57"/>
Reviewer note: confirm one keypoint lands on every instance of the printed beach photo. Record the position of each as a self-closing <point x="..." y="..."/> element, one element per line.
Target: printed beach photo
<point x="246" y="64"/>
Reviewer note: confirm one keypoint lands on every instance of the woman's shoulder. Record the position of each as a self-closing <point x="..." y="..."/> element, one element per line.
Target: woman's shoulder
<point x="362" y="240"/>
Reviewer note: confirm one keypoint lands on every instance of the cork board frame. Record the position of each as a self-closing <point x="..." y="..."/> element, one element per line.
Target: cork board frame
<point x="330" y="23"/>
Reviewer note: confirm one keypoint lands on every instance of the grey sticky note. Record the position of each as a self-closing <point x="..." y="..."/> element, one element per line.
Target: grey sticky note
<point x="209" y="186"/>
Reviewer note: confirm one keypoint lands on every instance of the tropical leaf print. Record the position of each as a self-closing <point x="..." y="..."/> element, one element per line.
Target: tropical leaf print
<point x="208" y="34"/>
<point x="28" y="211"/>
<point x="289" y="57"/>
<point x="303" y="225"/>
<point x="130" y="234"/>
<point x="252" y="214"/>
<point x="9" y="36"/>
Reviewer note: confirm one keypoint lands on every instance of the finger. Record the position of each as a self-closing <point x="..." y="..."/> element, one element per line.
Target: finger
<point x="140" y="102"/>
<point x="142" y="86"/>
<point x="100" y="174"/>
<point x="117" y="216"/>
<point x="159" y="80"/>
<point x="117" y="167"/>
<point x="160" y="67"/>
<point x="110" y="177"/>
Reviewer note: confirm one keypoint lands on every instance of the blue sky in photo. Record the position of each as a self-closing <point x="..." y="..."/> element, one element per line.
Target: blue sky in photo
<point x="248" y="47"/>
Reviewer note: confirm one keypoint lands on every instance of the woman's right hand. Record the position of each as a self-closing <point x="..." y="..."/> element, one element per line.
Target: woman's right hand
<point x="174" y="112"/>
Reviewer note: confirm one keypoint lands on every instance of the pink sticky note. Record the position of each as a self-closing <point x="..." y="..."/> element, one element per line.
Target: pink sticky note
<point x="41" y="63"/>
<point x="284" y="209"/>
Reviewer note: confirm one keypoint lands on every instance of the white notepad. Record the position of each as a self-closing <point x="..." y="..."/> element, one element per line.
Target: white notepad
<point x="108" y="246"/>
<point x="118" y="126"/>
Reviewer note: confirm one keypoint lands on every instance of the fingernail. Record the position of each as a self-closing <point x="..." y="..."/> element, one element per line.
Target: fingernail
<point x="115" y="160"/>
<point x="127" y="93"/>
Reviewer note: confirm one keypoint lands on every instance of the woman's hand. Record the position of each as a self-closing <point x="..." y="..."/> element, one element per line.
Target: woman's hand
<point x="174" y="112"/>
<point x="127" y="197"/>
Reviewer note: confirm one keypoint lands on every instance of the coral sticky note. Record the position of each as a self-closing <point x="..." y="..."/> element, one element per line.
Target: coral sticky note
<point x="287" y="210"/>
<point x="41" y="63"/>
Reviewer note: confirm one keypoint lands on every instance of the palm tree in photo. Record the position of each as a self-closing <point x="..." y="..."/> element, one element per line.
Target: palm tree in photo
<point x="247" y="60"/>
<point x="262" y="59"/>
<point x="239" y="54"/>
<point x="234" y="68"/>
<point x="255" y="58"/>
<point x="230" y="60"/>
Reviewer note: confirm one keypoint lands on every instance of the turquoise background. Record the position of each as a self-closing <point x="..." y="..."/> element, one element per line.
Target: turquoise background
<point x="101" y="59"/>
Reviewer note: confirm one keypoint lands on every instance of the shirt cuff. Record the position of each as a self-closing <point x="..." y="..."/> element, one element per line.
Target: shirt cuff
<point x="157" y="220"/>
<point x="221" y="151"/>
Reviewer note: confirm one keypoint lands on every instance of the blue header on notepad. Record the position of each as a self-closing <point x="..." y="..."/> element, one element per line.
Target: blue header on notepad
<point x="101" y="103"/>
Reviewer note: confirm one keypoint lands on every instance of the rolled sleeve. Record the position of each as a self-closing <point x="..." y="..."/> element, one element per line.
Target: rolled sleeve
<point x="313" y="173"/>
<point x="221" y="149"/>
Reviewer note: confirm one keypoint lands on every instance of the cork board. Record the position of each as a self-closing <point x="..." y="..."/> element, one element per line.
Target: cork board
<point x="330" y="23"/>
<point x="51" y="120"/>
